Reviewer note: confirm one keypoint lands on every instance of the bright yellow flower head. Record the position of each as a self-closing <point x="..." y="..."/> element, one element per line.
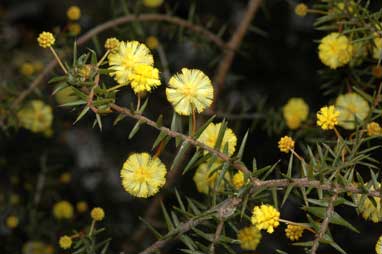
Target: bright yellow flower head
<point x="112" y="44"/>
<point x="238" y="179"/>
<point x="353" y="108"/>
<point x="374" y="129"/>
<point x="36" y="116"/>
<point x="65" y="242"/>
<point x="73" y="13"/>
<point x="205" y="178"/>
<point x="152" y="42"/>
<point x="63" y="210"/>
<point x="295" y="112"/>
<point x="143" y="175"/>
<point x="327" y="117"/>
<point x="82" y="206"/>
<point x="188" y="90"/>
<point x="265" y="217"/>
<point x="144" y="78"/>
<point x="12" y="221"/>
<point x="377" y="47"/>
<point x="301" y="9"/>
<point x="46" y="39"/>
<point x="210" y="135"/>
<point x="27" y="69"/>
<point x="286" y="144"/>
<point x="335" y="50"/>
<point x="152" y="3"/>
<point x="97" y="214"/>
<point x="126" y="58"/>
<point x="294" y="232"/>
<point x="249" y="238"/>
<point x="369" y="211"/>
<point x="378" y="246"/>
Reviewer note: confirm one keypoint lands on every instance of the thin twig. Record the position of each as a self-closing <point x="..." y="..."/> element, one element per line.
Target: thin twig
<point x="217" y="235"/>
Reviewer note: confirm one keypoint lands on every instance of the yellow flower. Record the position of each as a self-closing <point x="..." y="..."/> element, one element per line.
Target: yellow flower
<point x="144" y="78"/>
<point x="73" y="13"/>
<point x="152" y="3"/>
<point x="65" y="242"/>
<point x="82" y="206"/>
<point x="286" y="144"/>
<point x="335" y="50"/>
<point x="46" y="39"/>
<point x="374" y="129"/>
<point x="128" y="56"/>
<point x="97" y="214"/>
<point x="152" y="42"/>
<point x="12" y="221"/>
<point x="378" y="246"/>
<point x="327" y="117"/>
<point x="349" y="6"/>
<point x="63" y="210"/>
<point x="65" y="178"/>
<point x="205" y="177"/>
<point x="353" y="109"/>
<point x="238" y="179"/>
<point x="36" y="116"/>
<point x="112" y="44"/>
<point x="143" y="175"/>
<point x="249" y="238"/>
<point x="265" y="217"/>
<point x="74" y="29"/>
<point x="368" y="210"/>
<point x="301" y="9"/>
<point x="190" y="90"/>
<point x="294" y="232"/>
<point x="295" y="112"/>
<point x="377" y="47"/>
<point x="210" y="135"/>
<point x="27" y="69"/>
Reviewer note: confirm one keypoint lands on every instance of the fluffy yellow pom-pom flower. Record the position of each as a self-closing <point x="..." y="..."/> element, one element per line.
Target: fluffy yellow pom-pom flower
<point x="152" y="3"/>
<point x="378" y="246"/>
<point x="286" y="144"/>
<point x="301" y="10"/>
<point x="65" y="242"/>
<point x="327" y="117"/>
<point x="123" y="61"/>
<point x="46" y="39"/>
<point x="294" y="232"/>
<point x="112" y="44"/>
<point x="335" y="50"/>
<point x="238" y="179"/>
<point x="265" y="217"/>
<point x="249" y="238"/>
<point x="73" y="13"/>
<point x="205" y="178"/>
<point x="295" y="111"/>
<point x="97" y="214"/>
<point x="36" y="116"/>
<point x="368" y="210"/>
<point x="63" y="210"/>
<point x="144" y="78"/>
<point x="143" y="175"/>
<point x="374" y="129"/>
<point x="210" y="135"/>
<point x="12" y="221"/>
<point x="190" y="90"/>
<point x="353" y="109"/>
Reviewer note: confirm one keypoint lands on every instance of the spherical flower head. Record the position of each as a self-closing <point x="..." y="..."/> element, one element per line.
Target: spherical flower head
<point x="97" y="214"/>
<point x="286" y="144"/>
<point x="301" y="9"/>
<point x="210" y="135"/>
<point x="335" y="50"/>
<point x="249" y="238"/>
<point x="377" y="71"/>
<point x="205" y="178"/>
<point x="12" y="221"/>
<point x="63" y="210"/>
<point x="295" y="111"/>
<point x="190" y="90"/>
<point x="65" y="242"/>
<point x="129" y="55"/>
<point x="368" y="210"/>
<point x="378" y="246"/>
<point x="144" y="78"/>
<point x="294" y="232"/>
<point x="265" y="217"/>
<point x="27" y="69"/>
<point x="353" y="109"/>
<point x="73" y="13"/>
<point x="377" y="47"/>
<point x="46" y="39"/>
<point x="327" y="117"/>
<point x="112" y="44"/>
<point x="74" y="29"/>
<point x="238" y="179"/>
<point x="152" y="42"/>
<point x="142" y="175"/>
<point x="374" y="129"/>
<point x="36" y="116"/>
<point x="152" y="3"/>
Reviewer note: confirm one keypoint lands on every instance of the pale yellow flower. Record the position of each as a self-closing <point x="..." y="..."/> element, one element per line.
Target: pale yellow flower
<point x="295" y="112"/>
<point x="353" y="109"/>
<point x="238" y="179"/>
<point x="374" y="129"/>
<point x="335" y="50"/>
<point x="144" y="78"/>
<point x="36" y="116"/>
<point x="249" y="238"/>
<point x="205" y="177"/>
<point x="378" y="246"/>
<point x="63" y="210"/>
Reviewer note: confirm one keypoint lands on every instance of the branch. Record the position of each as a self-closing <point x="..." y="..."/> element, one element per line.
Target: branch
<point x="116" y="22"/>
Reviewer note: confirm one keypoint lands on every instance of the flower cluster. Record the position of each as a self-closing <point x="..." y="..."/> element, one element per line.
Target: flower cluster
<point x="335" y="50"/>
<point x="294" y="232"/>
<point x="265" y="217"/>
<point x="327" y="117"/>
<point x="249" y="238"/>
<point x="295" y="112"/>
<point x="286" y="144"/>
